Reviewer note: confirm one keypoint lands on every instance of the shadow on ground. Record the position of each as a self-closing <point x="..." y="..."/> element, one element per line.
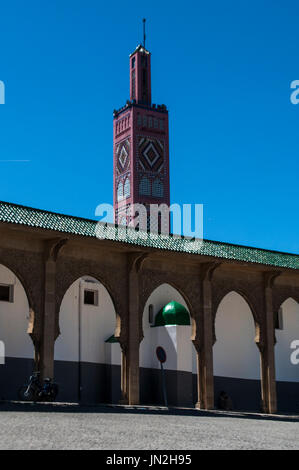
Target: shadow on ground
<point x="146" y="410"/>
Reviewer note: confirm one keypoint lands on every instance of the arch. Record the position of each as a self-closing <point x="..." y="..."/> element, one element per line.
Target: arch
<point x="289" y="299"/>
<point x="251" y="304"/>
<point x="246" y="298"/>
<point x="158" y="188"/>
<point x="23" y="281"/>
<point x="155" y="283"/>
<point x="145" y="186"/>
<point x="66" y="278"/>
<point x="15" y="318"/>
<point x="87" y="322"/>
<point x="236" y="357"/>
<point x="127" y="188"/>
<point x="120" y="191"/>
<point x="281" y="296"/>
<point x="175" y="338"/>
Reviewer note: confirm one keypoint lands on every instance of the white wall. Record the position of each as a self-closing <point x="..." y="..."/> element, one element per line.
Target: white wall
<point x="113" y="354"/>
<point x="97" y="324"/>
<point x="235" y="352"/>
<point x="172" y="338"/>
<point x="14" y="319"/>
<point x="285" y="370"/>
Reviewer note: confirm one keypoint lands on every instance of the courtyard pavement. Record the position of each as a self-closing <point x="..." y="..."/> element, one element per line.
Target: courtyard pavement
<point x="69" y="426"/>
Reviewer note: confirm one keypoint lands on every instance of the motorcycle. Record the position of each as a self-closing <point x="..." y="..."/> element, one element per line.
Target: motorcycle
<point x="35" y="391"/>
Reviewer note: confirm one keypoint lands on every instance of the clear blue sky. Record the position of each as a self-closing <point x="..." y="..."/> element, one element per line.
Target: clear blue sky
<point x="224" y="70"/>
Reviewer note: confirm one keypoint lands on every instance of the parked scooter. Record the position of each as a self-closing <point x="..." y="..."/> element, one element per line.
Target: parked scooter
<point x="35" y="391"/>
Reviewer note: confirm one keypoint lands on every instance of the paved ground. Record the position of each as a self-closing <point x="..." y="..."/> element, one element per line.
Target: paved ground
<point x="32" y="426"/>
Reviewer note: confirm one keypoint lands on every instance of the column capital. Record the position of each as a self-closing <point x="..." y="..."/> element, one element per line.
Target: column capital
<point x="53" y="248"/>
<point x="269" y="278"/>
<point x="136" y="260"/>
<point x="207" y="270"/>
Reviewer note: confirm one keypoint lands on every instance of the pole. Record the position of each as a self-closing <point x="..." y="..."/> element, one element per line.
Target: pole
<point x="164" y="385"/>
<point x="144" y="37"/>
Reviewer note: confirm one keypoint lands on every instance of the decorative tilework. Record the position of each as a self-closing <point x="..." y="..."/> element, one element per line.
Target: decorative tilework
<point x="29" y="217"/>
<point x="145" y="186"/>
<point x="122" y="154"/>
<point x="158" y="188"/>
<point x="151" y="154"/>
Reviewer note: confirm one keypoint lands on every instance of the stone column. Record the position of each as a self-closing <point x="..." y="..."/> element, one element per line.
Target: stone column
<point x="266" y="347"/>
<point x="49" y="319"/>
<point x="132" y="363"/>
<point x="204" y="340"/>
<point x="124" y="400"/>
<point x="130" y="341"/>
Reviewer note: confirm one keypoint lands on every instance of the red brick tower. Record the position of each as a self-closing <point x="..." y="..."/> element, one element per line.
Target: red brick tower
<point x="140" y="144"/>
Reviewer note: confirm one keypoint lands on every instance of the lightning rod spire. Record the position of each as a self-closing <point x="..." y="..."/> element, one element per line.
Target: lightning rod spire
<point x="144" y="36"/>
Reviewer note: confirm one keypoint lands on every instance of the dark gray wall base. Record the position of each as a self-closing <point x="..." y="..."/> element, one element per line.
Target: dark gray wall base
<point x="288" y="396"/>
<point x="245" y="393"/>
<point x="13" y="374"/>
<point x="179" y="386"/>
<point x="100" y="383"/>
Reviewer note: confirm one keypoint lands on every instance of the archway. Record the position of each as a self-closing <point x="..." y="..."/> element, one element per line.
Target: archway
<point x="19" y="350"/>
<point x="236" y="356"/>
<point x="166" y="323"/>
<point x="286" y="367"/>
<point x="87" y="357"/>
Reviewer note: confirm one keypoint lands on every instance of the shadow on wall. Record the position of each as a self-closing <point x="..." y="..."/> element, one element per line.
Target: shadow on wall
<point x="236" y="355"/>
<point x="100" y="383"/>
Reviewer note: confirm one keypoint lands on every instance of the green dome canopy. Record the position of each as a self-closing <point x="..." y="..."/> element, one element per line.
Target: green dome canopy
<point x="172" y="314"/>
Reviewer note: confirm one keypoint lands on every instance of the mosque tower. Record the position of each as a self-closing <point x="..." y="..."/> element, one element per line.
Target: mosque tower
<point x="140" y="144"/>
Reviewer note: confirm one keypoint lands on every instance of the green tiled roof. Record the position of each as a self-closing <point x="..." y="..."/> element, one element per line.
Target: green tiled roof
<point x="112" y="339"/>
<point x="172" y="314"/>
<point x="16" y="214"/>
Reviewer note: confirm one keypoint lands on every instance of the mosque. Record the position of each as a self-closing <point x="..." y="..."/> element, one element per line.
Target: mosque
<point x="91" y="312"/>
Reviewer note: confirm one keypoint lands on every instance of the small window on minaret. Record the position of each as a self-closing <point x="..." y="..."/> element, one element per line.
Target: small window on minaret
<point x="133" y="63"/>
<point x="133" y="85"/>
<point x="127" y="188"/>
<point x="120" y="191"/>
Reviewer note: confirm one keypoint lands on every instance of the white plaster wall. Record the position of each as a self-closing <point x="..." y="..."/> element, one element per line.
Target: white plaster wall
<point x="235" y="352"/>
<point x="97" y="324"/>
<point x="194" y="361"/>
<point x="14" y="319"/>
<point x="113" y="354"/>
<point x="185" y="348"/>
<point x="285" y="370"/>
<point x="174" y="339"/>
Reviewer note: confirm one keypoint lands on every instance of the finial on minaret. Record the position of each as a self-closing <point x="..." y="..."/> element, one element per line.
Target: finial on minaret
<point x="144" y="37"/>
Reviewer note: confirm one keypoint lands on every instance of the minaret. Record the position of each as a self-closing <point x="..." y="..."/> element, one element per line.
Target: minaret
<point x="140" y="144"/>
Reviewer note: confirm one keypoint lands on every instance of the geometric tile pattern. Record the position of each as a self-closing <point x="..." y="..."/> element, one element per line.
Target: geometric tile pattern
<point x="151" y="154"/>
<point x="27" y="216"/>
<point x="122" y="154"/>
